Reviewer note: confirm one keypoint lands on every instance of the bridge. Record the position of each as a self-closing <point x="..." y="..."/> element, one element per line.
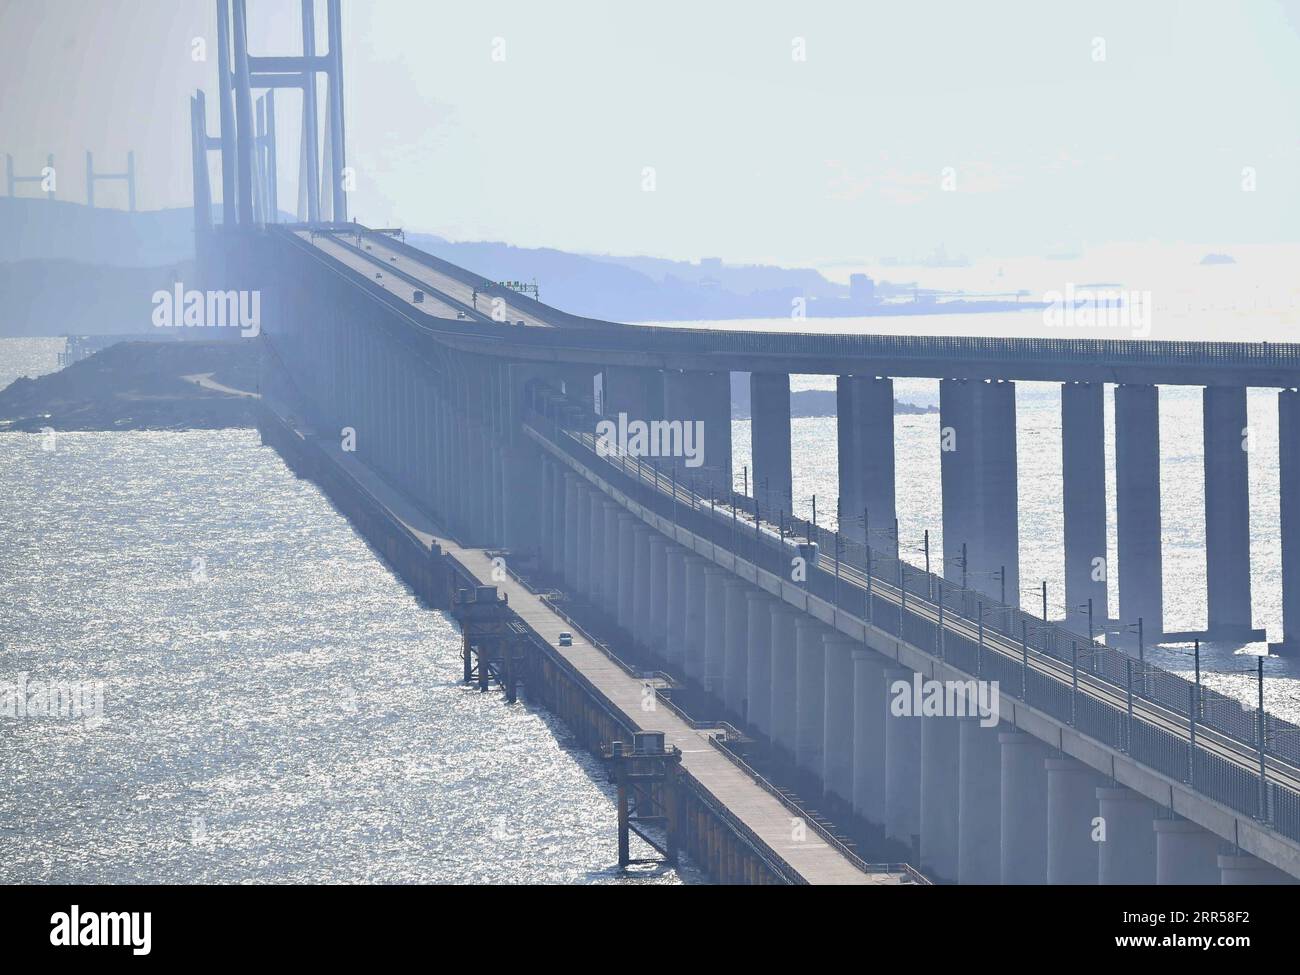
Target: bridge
<point x="1067" y="760"/>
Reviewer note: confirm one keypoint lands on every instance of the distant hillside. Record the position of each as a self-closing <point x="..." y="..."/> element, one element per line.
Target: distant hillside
<point x="639" y="288"/>
<point x="34" y="228"/>
<point x="61" y="297"/>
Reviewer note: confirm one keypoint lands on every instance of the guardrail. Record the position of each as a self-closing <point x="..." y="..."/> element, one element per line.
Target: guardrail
<point x="1240" y="756"/>
<point x="830" y="838"/>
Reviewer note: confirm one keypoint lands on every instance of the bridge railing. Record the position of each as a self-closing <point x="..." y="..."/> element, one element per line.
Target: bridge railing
<point x="1158" y="717"/>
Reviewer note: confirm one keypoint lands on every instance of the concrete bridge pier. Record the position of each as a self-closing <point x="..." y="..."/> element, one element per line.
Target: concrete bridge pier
<point x="902" y="767"/>
<point x="477" y="497"/>
<point x="716" y="581"/>
<point x="1024" y="808"/>
<point x="1288" y="444"/>
<point x="1242" y="869"/>
<point x="582" y="533"/>
<point x="675" y="616"/>
<point x="979" y="803"/>
<point x="838" y="717"/>
<point x="642" y="584"/>
<point x="704" y="397"/>
<point x="1186" y="854"/>
<point x="940" y="781"/>
<point x="490" y="486"/>
<point x="1071" y="811"/>
<point x="613" y="568"/>
<point x="597" y="574"/>
<point x="1128" y="854"/>
<point x="694" y="649"/>
<point x="656" y="632"/>
<point x="1227" y="514"/>
<point x="810" y="694"/>
<point x="1083" y="495"/>
<point x="758" y="662"/>
<point x="442" y="465"/>
<point x="547" y="516"/>
<point x="569" y="531"/>
<point x="634" y="390"/>
<point x="736" y="651"/>
<point x="996" y="467"/>
<point x="865" y="434"/>
<point x="870" y="712"/>
<point x="957" y="476"/>
<point x="1137" y="509"/>
<point x="769" y="407"/>
<point x="627" y="529"/>
<point x="783" y="708"/>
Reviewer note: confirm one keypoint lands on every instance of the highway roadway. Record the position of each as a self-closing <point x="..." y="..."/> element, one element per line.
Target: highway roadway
<point x="372" y="254"/>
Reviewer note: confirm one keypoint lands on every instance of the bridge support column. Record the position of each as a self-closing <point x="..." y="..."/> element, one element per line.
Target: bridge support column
<point x="837" y="706"/>
<point x="870" y="712"/>
<point x="642" y="585"/>
<point x="902" y="767"/>
<point x="940" y="759"/>
<point x="675" y="616"/>
<point x="477" y="495"/>
<point x="769" y="407"/>
<point x="704" y="397"/>
<point x="657" y="620"/>
<point x="1288" y="447"/>
<point x="582" y="530"/>
<point x="1227" y="514"/>
<point x="1186" y="854"/>
<point x="1137" y="510"/>
<point x="1128" y="854"/>
<point x="715" y="628"/>
<point x="810" y="694"/>
<point x="570" y="528"/>
<point x="495" y="493"/>
<point x="634" y="390"/>
<point x="613" y="567"/>
<point x="957" y="475"/>
<point x="979" y="803"/>
<point x="626" y="570"/>
<point x="998" y="495"/>
<point x="784" y="677"/>
<point x="758" y="662"/>
<point x="1024" y="808"/>
<point x="865" y="433"/>
<point x="548" y="516"/>
<point x="1083" y="490"/>
<point x="1242" y="869"/>
<point x="737" y="647"/>
<point x="443" y="474"/>
<point x="1071" y="808"/>
<point x="697" y="614"/>
<point x="597" y="574"/>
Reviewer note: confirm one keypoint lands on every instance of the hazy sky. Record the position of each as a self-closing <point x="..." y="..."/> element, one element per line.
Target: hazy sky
<point x="756" y="155"/>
